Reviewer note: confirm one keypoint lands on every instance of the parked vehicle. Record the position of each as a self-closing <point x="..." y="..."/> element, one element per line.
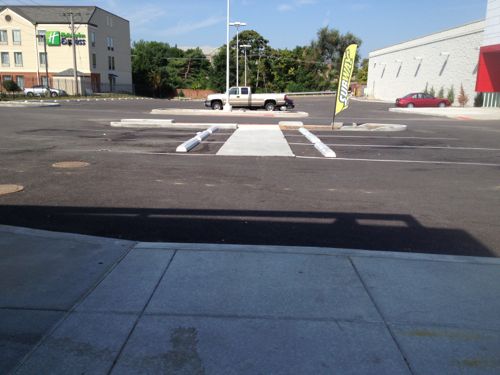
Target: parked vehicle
<point x="41" y="90"/>
<point x="421" y="100"/>
<point x="243" y="97"/>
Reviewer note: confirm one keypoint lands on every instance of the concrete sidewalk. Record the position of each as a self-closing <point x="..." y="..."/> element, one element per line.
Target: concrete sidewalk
<point x="72" y="304"/>
<point x="256" y="140"/>
<point x="461" y="113"/>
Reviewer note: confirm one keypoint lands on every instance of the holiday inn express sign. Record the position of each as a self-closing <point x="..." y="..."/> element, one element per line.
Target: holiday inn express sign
<point x="57" y="38"/>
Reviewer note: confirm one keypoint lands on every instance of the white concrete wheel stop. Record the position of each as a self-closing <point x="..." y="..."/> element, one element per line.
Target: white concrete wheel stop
<point x="326" y="151"/>
<point x="196" y="140"/>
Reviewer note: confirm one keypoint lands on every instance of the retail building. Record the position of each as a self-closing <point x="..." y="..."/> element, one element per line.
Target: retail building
<point x="36" y="47"/>
<point x="467" y="56"/>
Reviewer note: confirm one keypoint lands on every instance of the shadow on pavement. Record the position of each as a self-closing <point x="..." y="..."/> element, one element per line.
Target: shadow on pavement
<point x="385" y="232"/>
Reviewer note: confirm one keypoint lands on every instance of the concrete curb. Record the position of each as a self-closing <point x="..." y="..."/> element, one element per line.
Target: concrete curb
<point x="453" y="112"/>
<point x="356" y="99"/>
<point x="236" y="113"/>
<point x="167" y="124"/>
<point x="371" y="127"/>
<point x="195" y="141"/>
<point x="26" y="104"/>
<point x="326" y="151"/>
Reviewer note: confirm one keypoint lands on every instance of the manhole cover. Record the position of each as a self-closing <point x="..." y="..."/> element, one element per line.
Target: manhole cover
<point x="70" y="164"/>
<point x="9" y="189"/>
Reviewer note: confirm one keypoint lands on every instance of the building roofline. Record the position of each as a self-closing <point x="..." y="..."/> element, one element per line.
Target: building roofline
<point x="425" y="36"/>
<point x="18" y="9"/>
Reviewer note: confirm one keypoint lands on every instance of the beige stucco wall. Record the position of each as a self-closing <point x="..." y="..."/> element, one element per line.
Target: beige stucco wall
<point x="60" y="58"/>
<point x="27" y="46"/>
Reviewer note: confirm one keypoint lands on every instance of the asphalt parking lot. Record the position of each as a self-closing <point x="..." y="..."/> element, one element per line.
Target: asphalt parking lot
<point x="433" y="188"/>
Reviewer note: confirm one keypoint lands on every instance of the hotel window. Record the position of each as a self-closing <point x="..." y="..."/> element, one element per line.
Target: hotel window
<point x="5" y="59"/>
<point x="7" y="78"/>
<point x="4" y="37"/>
<point x="18" y="58"/>
<point x="43" y="58"/>
<point x="111" y="62"/>
<point x="41" y="37"/>
<point x="16" y="37"/>
<point x="94" y="61"/>
<point x="92" y="38"/>
<point x="109" y="21"/>
<point x="20" y="81"/>
<point x="111" y="44"/>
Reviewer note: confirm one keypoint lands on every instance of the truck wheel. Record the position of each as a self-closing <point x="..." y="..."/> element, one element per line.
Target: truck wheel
<point x="53" y="94"/>
<point x="217" y="105"/>
<point x="270" y="106"/>
<point x="30" y="94"/>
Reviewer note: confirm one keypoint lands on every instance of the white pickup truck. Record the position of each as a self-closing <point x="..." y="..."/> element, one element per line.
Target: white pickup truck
<point x="242" y="97"/>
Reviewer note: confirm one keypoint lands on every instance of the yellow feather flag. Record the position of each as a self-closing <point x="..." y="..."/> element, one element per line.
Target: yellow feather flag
<point x="342" y="100"/>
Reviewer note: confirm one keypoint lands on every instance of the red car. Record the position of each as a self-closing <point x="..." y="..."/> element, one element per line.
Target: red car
<point x="421" y="99"/>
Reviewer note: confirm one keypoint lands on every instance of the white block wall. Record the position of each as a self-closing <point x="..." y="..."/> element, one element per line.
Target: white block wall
<point x="492" y="28"/>
<point x="439" y="60"/>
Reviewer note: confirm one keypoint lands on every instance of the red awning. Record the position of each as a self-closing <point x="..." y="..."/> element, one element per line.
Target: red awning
<point x="488" y="74"/>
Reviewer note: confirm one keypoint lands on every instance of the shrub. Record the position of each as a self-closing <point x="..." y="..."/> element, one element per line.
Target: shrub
<point x="432" y="92"/>
<point x="426" y="90"/>
<point x="441" y="93"/>
<point x="451" y="95"/>
<point x="181" y="94"/>
<point x="11" y="86"/>
<point x="479" y="99"/>
<point x="463" y="99"/>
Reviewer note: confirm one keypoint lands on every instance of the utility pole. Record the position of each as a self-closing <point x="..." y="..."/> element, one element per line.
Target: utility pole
<point x="245" y="47"/>
<point x="73" y="44"/>
<point x="44" y="37"/>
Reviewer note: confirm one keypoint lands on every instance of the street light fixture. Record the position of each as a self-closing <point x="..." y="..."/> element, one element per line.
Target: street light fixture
<point x="245" y="47"/>
<point x="237" y="25"/>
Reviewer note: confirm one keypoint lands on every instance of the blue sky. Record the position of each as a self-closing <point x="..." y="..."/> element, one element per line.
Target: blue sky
<point x="286" y="23"/>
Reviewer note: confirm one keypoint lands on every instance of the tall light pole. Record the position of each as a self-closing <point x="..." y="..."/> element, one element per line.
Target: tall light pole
<point x="237" y="25"/>
<point x="73" y="39"/>
<point x="227" y="106"/>
<point x="245" y="47"/>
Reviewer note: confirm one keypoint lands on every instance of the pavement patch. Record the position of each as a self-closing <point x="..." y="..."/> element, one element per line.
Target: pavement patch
<point x="10" y="188"/>
<point x="70" y="164"/>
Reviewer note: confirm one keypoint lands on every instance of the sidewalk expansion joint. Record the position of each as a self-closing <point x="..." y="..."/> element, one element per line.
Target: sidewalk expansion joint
<point x="264" y="317"/>
<point x="141" y="314"/>
<point x="67" y="314"/>
<point x="379" y="311"/>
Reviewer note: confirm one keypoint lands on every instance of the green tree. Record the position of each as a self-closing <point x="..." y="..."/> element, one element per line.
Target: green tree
<point x="441" y="93"/>
<point x="451" y="94"/>
<point x="362" y="76"/>
<point x="149" y="64"/>
<point x="11" y="86"/>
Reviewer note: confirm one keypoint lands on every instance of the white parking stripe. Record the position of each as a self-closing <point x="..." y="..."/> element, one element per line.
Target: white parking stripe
<point x="368" y="136"/>
<point x="405" y="161"/>
<point x="412" y="147"/>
